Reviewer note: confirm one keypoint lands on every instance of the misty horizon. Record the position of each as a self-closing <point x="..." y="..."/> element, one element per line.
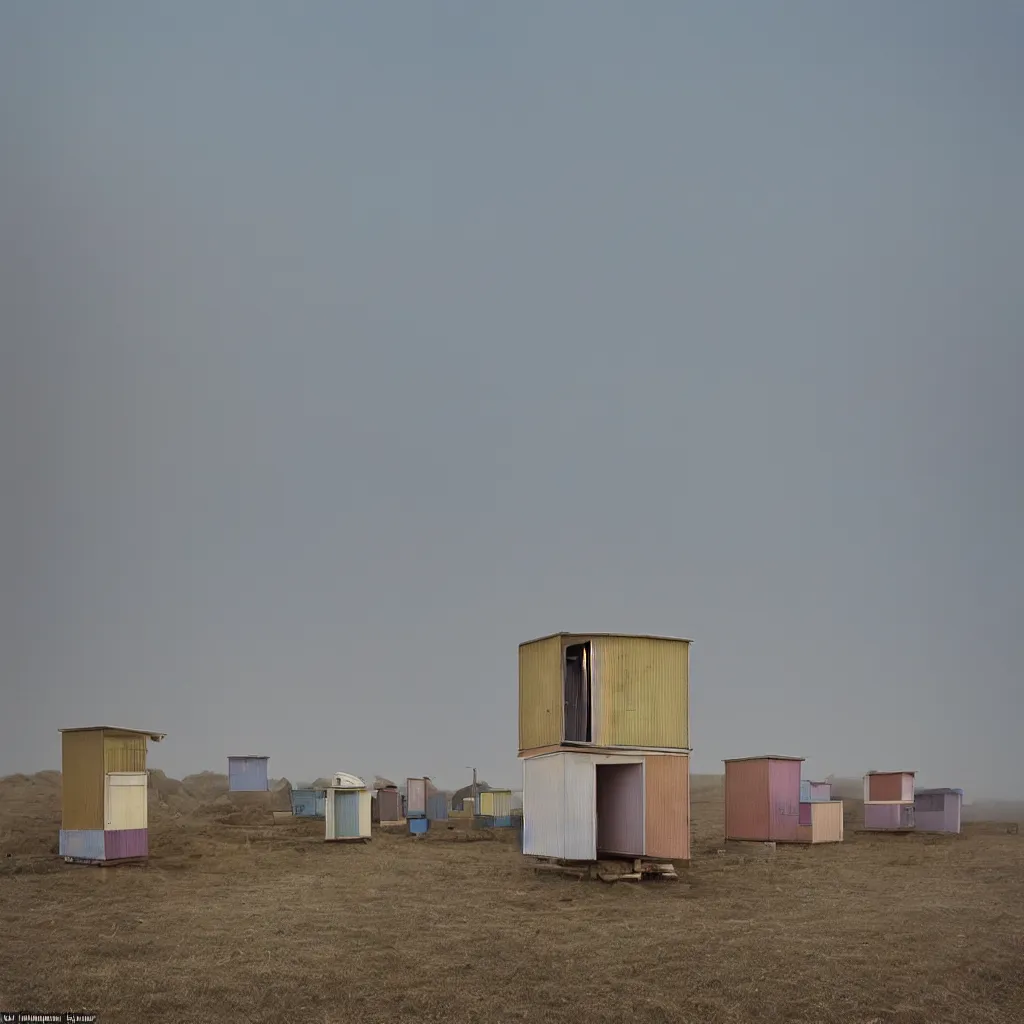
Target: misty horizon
<point x="348" y="347"/>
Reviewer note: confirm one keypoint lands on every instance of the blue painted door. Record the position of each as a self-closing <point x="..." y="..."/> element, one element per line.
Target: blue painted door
<point x="346" y="815"/>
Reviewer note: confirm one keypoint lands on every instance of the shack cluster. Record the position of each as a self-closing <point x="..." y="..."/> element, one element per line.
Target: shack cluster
<point x="604" y="740"/>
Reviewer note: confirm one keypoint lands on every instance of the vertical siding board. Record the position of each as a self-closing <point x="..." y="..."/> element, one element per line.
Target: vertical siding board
<point x="580" y="807"/>
<point x="82" y="844"/>
<point x="248" y="775"/>
<point x="826" y="821"/>
<point x="82" y="780"/>
<point x="747" y="800"/>
<point x="437" y="807"/>
<point x="620" y="809"/>
<point x="784" y="783"/>
<point x="123" y="752"/>
<point x="540" y="693"/>
<point x="122" y="843"/>
<point x="667" y="817"/>
<point x="544" y="806"/>
<point x="643" y="688"/>
<point x="415" y="797"/>
<point x="389" y="805"/>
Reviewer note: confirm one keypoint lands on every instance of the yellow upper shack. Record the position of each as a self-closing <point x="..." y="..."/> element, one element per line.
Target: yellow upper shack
<point x="88" y="756"/>
<point x="604" y="690"/>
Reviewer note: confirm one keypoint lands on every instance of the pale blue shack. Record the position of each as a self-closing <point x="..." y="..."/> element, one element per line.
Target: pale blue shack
<point x="309" y="803"/>
<point x="248" y="773"/>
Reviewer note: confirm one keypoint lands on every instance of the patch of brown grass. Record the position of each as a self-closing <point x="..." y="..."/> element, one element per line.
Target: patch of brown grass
<point x="261" y="922"/>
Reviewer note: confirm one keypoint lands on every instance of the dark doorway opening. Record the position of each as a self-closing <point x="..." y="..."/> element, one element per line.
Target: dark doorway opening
<point x="577" y="693"/>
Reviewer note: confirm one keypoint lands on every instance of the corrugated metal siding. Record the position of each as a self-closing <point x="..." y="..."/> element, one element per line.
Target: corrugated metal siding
<point x="389" y="805"/>
<point x="820" y="792"/>
<point x="132" y="842"/>
<point x="544" y="806"/>
<point x="888" y="816"/>
<point x="496" y="803"/>
<point x="437" y="807"/>
<point x="937" y="812"/>
<point x="747" y="800"/>
<point x="84" y="844"/>
<point x="346" y="814"/>
<point x="123" y="752"/>
<point x="580" y="807"/>
<point x="784" y="785"/>
<point x="805" y="812"/>
<point x="888" y="786"/>
<point x="248" y="775"/>
<point x="82" y="780"/>
<point x="540" y="693"/>
<point x="641" y="692"/>
<point x="826" y="821"/>
<point x="620" y="809"/>
<point x="365" y="814"/>
<point x="667" y="814"/>
<point x="415" y="796"/>
<point x="309" y="803"/>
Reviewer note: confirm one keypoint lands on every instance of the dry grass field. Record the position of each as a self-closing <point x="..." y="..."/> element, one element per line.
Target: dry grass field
<point x="236" y="918"/>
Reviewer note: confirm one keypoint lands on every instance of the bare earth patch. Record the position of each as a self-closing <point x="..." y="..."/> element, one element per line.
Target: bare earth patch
<point x="235" y="918"/>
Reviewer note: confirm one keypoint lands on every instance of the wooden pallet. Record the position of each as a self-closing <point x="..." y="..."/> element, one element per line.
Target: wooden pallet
<point x="635" y="870"/>
<point x="105" y="863"/>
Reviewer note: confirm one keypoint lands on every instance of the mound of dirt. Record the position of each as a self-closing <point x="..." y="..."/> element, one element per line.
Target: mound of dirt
<point x="205" y="787"/>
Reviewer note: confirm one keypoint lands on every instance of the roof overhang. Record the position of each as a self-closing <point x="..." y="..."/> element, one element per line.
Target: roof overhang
<point x="763" y="757"/>
<point x="614" y="636"/>
<point x="156" y="737"/>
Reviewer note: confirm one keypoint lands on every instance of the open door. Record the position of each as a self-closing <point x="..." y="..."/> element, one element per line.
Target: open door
<point x="576" y="689"/>
<point x="620" y="810"/>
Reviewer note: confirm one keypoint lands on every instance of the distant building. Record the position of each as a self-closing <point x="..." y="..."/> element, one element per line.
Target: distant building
<point x="604" y="740"/>
<point x="347" y="809"/>
<point x="496" y="806"/>
<point x="938" y="810"/>
<point x="813" y="792"/>
<point x="763" y="803"/>
<point x="248" y="773"/>
<point x="104" y="794"/>
<point x="889" y="801"/>
<point x="309" y="803"/>
<point x="390" y="806"/>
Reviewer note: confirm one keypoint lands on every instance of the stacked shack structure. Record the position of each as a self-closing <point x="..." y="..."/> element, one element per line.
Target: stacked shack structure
<point x="889" y="801"/>
<point x="604" y="737"/>
<point x="763" y="803"/>
<point x="104" y="794"/>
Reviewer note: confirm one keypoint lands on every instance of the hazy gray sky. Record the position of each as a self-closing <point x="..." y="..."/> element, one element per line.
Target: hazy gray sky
<point x="347" y="345"/>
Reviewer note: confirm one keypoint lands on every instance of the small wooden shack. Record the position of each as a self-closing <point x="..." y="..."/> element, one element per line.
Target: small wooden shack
<point x="348" y="809"/>
<point x="104" y="794"/>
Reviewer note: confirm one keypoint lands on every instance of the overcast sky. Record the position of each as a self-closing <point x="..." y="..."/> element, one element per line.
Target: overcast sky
<point x="347" y="345"/>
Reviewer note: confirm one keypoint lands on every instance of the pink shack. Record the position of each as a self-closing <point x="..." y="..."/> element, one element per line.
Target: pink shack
<point x="762" y="798"/>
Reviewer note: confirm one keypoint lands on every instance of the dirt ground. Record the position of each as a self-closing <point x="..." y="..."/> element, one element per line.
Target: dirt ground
<point x="236" y="918"/>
